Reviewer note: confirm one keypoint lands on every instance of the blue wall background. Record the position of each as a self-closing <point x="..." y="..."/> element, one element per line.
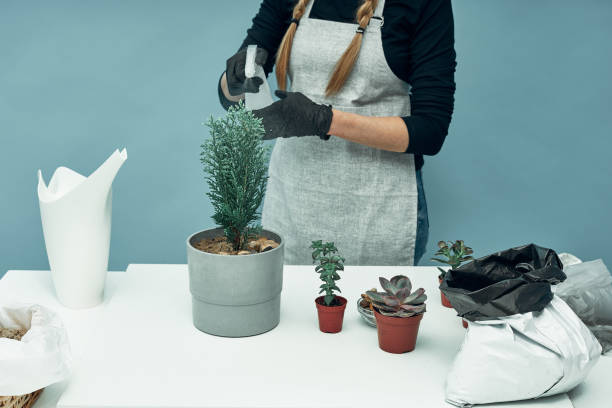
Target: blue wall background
<point x="527" y="158"/>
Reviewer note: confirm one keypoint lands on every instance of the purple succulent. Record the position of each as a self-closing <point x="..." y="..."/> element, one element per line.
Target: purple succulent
<point x="398" y="300"/>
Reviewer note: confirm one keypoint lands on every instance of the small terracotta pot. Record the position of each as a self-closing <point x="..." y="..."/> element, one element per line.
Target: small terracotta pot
<point x="330" y="317"/>
<point x="445" y="301"/>
<point x="397" y="334"/>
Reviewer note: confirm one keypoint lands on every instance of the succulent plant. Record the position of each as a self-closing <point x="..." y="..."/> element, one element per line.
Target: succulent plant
<point x="398" y="300"/>
<point x="330" y="262"/>
<point x="455" y="252"/>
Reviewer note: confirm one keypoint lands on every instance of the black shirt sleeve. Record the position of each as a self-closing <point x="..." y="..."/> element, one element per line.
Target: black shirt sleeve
<point x="432" y="62"/>
<point x="268" y="28"/>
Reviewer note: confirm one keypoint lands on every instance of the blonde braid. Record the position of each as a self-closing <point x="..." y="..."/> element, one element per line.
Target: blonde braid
<point x="345" y="64"/>
<point x="284" y="50"/>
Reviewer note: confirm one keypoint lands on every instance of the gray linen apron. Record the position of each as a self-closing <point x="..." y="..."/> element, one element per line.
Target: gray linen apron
<point x="363" y="199"/>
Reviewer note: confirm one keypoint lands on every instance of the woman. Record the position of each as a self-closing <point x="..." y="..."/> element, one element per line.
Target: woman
<point x="379" y="77"/>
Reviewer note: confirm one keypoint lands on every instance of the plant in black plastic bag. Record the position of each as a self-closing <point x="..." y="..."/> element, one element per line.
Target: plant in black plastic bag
<point x="517" y="280"/>
<point x="455" y="252"/>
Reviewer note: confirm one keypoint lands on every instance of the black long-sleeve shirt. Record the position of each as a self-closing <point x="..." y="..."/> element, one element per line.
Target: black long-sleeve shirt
<point x="418" y="43"/>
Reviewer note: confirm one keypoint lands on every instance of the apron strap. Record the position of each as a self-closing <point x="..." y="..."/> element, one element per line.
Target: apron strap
<point x="378" y="14"/>
<point x="308" y="8"/>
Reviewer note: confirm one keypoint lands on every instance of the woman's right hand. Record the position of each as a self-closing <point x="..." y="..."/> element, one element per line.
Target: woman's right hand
<point x="235" y="76"/>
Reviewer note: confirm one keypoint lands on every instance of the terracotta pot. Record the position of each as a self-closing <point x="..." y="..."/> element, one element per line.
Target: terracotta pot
<point x="397" y="334"/>
<point x="330" y="317"/>
<point x="445" y="301"/>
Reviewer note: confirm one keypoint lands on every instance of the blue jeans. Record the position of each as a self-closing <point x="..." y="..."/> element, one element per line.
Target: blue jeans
<point x="422" y="234"/>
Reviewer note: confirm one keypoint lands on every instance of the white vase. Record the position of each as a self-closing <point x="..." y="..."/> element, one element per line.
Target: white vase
<point x="76" y="220"/>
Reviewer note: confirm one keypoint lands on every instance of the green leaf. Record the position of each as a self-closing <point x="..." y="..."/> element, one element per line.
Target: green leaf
<point x="415" y="297"/>
<point x="442" y="272"/>
<point x="403" y="294"/>
<point x="401" y="282"/>
<point x="390" y="300"/>
<point x="328" y="299"/>
<point x="375" y="296"/>
<point x="386" y="285"/>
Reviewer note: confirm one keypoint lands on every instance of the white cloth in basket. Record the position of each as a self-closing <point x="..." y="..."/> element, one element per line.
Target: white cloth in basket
<point x="41" y="358"/>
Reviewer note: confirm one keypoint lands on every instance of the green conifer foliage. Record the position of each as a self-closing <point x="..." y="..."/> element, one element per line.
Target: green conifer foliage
<point x="235" y="162"/>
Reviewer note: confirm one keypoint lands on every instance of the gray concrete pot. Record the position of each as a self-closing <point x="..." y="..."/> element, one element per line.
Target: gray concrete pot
<point x="235" y="295"/>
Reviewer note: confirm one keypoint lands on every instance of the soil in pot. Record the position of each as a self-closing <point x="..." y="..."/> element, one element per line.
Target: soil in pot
<point x="219" y="245"/>
<point x="331" y="317"/>
<point x="445" y="301"/>
<point x="397" y="334"/>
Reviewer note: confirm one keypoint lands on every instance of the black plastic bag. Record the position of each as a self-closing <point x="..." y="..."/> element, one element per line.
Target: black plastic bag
<point x="513" y="281"/>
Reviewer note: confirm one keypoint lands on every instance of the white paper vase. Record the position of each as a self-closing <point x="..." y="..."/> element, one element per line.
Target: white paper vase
<point x="76" y="221"/>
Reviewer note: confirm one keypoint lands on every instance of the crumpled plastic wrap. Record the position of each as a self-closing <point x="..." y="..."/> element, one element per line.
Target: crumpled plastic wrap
<point x="41" y="358"/>
<point x="517" y="280"/>
<point x="588" y="291"/>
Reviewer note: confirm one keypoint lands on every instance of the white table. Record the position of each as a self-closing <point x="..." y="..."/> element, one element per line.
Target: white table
<point x="140" y="349"/>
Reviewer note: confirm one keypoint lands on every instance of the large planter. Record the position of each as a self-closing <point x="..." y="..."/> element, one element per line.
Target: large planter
<point x="235" y="295"/>
<point x="330" y="317"/>
<point x="397" y="334"/>
<point x="76" y="221"/>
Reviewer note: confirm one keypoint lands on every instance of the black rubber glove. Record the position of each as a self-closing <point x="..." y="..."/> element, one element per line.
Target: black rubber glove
<point x="295" y="115"/>
<point x="237" y="83"/>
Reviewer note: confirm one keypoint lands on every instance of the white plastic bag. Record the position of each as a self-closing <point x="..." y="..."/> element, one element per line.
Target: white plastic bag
<point x="588" y="291"/>
<point x="521" y="357"/>
<point x="262" y="98"/>
<point x="41" y="358"/>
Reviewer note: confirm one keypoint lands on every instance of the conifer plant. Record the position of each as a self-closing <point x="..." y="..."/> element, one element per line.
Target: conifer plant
<point x="235" y="162"/>
<point x="235" y="295"/>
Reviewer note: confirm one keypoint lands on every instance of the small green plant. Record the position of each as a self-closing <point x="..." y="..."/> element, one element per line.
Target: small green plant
<point x="235" y="162"/>
<point x="397" y="300"/>
<point x="330" y="262"/>
<point x="455" y="252"/>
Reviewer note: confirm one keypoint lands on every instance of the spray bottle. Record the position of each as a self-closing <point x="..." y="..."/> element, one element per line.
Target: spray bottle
<point x="262" y="98"/>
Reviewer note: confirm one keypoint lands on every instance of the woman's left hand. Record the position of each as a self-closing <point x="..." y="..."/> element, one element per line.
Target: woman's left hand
<point x="295" y="115"/>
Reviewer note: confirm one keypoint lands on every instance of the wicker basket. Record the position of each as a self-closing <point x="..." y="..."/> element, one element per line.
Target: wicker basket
<point x="20" y="401"/>
<point x="17" y="401"/>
